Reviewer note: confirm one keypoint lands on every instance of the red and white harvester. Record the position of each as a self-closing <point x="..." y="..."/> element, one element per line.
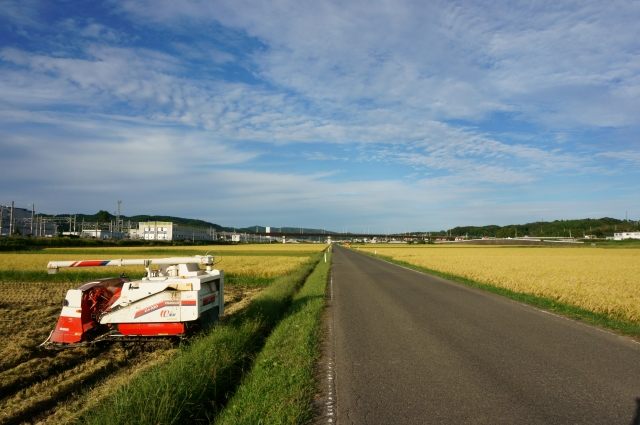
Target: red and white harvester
<point x="174" y="296"/>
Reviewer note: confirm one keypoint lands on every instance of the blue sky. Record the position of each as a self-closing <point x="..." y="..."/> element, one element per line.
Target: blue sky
<point x="384" y="115"/>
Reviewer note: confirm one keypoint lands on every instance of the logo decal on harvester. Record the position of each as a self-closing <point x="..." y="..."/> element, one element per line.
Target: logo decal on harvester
<point x="167" y="313"/>
<point x="156" y="306"/>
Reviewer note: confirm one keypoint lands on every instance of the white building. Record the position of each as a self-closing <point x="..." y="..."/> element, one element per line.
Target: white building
<point x="168" y="231"/>
<point x="626" y="235"/>
<point x="99" y="234"/>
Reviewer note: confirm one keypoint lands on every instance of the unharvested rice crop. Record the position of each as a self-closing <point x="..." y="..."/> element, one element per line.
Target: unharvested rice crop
<point x="260" y="266"/>
<point x="273" y="247"/>
<point x="239" y="265"/>
<point x="601" y="280"/>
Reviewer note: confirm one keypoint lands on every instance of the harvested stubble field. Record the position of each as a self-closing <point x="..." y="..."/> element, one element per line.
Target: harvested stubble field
<point x="53" y="386"/>
<point x="600" y="280"/>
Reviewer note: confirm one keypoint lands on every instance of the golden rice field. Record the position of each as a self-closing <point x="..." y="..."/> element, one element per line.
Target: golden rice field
<point x="601" y="280"/>
<point x="240" y="265"/>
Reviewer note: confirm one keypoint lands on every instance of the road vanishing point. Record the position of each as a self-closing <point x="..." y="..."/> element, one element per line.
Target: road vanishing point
<point x="410" y="348"/>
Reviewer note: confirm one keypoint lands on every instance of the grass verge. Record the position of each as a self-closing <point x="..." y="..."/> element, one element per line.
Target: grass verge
<point x="281" y="385"/>
<point x="194" y="384"/>
<point x="620" y="326"/>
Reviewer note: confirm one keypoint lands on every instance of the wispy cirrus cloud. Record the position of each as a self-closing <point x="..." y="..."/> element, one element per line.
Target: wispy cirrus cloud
<point x="462" y="61"/>
<point x="319" y="156"/>
<point x="623" y="156"/>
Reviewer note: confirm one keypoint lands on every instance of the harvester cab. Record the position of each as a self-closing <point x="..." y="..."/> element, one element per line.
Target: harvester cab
<point x="176" y="294"/>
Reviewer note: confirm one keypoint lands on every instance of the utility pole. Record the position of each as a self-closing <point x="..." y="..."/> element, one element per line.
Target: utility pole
<point x="11" y="220"/>
<point x="118" y="216"/>
<point x="32" y="211"/>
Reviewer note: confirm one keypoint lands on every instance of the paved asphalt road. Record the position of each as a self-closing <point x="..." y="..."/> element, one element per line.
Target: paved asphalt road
<point x="411" y="348"/>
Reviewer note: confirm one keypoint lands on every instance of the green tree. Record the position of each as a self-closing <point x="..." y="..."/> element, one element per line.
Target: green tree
<point x="506" y="232"/>
<point x="103" y="216"/>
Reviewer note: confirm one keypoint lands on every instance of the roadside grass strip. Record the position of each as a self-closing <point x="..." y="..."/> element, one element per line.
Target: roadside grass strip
<point x="598" y="319"/>
<point x="281" y="385"/>
<point x="194" y="384"/>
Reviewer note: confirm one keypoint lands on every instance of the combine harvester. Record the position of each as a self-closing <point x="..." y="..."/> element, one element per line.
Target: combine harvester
<point x="175" y="296"/>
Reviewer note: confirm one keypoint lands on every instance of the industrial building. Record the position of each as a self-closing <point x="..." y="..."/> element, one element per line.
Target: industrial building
<point x="626" y="235"/>
<point x="168" y="231"/>
<point x="20" y="219"/>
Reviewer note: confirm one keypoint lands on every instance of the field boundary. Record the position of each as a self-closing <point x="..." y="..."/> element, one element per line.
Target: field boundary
<point x="566" y="310"/>
<point x="281" y="385"/>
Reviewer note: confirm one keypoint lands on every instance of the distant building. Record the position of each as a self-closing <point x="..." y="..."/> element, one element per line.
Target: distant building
<point x="22" y="222"/>
<point x="100" y="234"/>
<point x="626" y="235"/>
<point x="168" y="231"/>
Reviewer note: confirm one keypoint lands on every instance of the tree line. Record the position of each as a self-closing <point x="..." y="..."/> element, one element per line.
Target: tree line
<point x="599" y="227"/>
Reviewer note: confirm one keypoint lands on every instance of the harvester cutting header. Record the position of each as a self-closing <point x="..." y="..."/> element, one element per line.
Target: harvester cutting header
<point x="175" y="295"/>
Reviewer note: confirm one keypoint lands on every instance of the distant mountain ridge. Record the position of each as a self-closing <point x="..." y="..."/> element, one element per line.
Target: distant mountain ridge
<point x="104" y="216"/>
<point x="599" y="227"/>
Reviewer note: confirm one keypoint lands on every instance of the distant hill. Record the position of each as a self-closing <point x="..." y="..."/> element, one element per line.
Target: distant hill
<point x="104" y="216"/>
<point x="600" y="227"/>
<point x="178" y="220"/>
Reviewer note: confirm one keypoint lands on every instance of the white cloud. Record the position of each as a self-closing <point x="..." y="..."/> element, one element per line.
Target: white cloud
<point x="23" y="13"/>
<point x="623" y="156"/>
<point x="319" y="156"/>
<point x="570" y="63"/>
<point x="90" y="153"/>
